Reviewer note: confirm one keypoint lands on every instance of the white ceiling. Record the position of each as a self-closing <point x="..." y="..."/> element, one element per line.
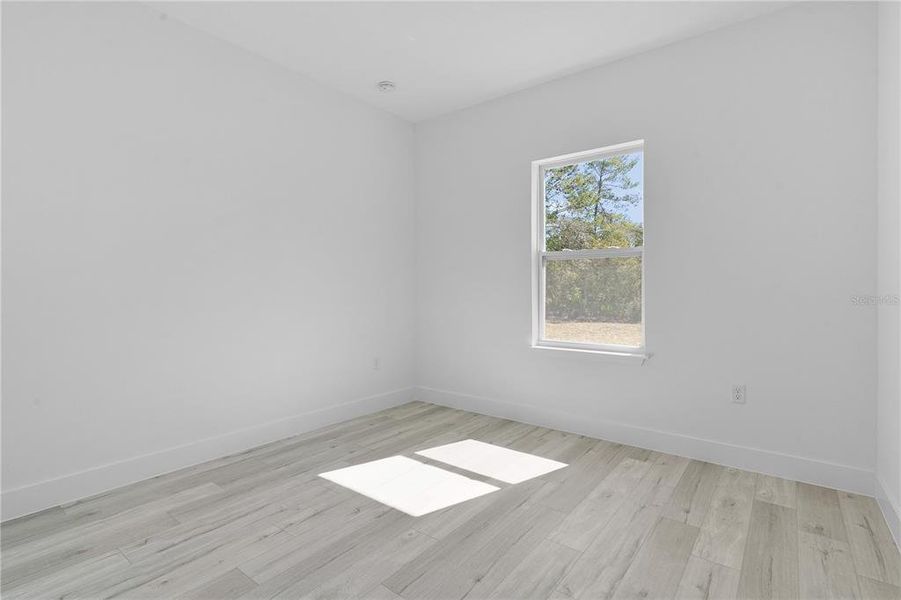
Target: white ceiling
<point x="449" y="55"/>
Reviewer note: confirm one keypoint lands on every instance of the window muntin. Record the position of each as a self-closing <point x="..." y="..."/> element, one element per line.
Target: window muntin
<point x="589" y="249"/>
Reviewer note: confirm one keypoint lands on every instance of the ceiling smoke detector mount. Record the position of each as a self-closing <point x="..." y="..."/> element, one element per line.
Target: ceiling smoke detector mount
<point x="386" y="87"/>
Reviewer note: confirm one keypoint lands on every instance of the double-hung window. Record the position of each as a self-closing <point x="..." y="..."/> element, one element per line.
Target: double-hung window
<point x="588" y="250"/>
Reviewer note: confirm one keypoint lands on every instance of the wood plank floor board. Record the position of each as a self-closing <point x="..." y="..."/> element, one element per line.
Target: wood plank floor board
<point x="371" y="568"/>
<point x="770" y="568"/>
<point x="335" y="556"/>
<point x="875" y="553"/>
<point x="725" y="527"/>
<point x="229" y="586"/>
<point x="302" y="470"/>
<point x="411" y="431"/>
<point x="693" y="493"/>
<point x="819" y="512"/>
<point x="378" y="426"/>
<point x="666" y="470"/>
<point x="298" y="488"/>
<point x="21" y="530"/>
<point x="535" y="438"/>
<point x="826" y="568"/>
<point x="582" y="524"/>
<point x="346" y="519"/>
<point x="566" y="488"/>
<point x="777" y="490"/>
<point x="379" y="593"/>
<point x="470" y="551"/>
<point x="184" y="538"/>
<point x="665" y="554"/>
<point x="63" y="580"/>
<point x="208" y="567"/>
<point x="494" y="562"/>
<point x="185" y="572"/>
<point x="599" y="570"/>
<point x="582" y="451"/>
<point x="571" y="448"/>
<point x="538" y="574"/>
<point x="465" y="429"/>
<point x="338" y="433"/>
<point x="413" y="441"/>
<point x="301" y="455"/>
<point x="870" y="589"/>
<point x="502" y="432"/>
<point x="135" y="495"/>
<point x="217" y="471"/>
<point x="705" y="580"/>
<point x="423" y="434"/>
<point x="556" y="445"/>
<point x="124" y="523"/>
<point x="277" y="478"/>
<point x="74" y="545"/>
<point x="408" y="409"/>
<point x="602" y="566"/>
<point x="442" y="523"/>
<point x="618" y="521"/>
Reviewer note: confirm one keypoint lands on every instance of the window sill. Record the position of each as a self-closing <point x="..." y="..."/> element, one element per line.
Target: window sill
<point x="631" y="358"/>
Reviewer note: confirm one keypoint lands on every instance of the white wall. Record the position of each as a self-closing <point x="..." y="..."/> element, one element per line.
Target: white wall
<point x="760" y="219"/>
<point x="201" y="251"/>
<point x="888" y="453"/>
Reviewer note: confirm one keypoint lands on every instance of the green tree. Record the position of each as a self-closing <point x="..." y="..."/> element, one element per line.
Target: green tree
<point x="586" y="203"/>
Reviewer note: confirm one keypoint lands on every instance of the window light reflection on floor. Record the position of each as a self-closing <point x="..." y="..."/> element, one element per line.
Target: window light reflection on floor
<point x="409" y="485"/>
<point x="417" y="489"/>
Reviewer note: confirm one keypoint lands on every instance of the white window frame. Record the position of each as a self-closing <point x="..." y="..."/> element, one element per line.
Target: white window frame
<point x="540" y="255"/>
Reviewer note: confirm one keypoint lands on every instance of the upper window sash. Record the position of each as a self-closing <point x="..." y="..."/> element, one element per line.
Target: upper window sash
<point x="575" y="158"/>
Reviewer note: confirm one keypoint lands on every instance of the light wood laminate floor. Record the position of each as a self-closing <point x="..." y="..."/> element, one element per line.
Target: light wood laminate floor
<point x="618" y="522"/>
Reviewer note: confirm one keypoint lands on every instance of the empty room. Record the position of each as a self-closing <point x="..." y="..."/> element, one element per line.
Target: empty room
<point x="450" y="300"/>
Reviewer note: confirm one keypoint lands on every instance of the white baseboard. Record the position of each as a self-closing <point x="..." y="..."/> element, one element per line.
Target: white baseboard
<point x="68" y="488"/>
<point x="838" y="476"/>
<point x="891" y="509"/>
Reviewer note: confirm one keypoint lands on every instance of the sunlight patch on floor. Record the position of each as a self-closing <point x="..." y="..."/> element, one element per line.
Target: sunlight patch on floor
<point x="409" y="485"/>
<point x="496" y="462"/>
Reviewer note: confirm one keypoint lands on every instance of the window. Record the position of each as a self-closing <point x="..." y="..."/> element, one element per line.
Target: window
<point x="588" y="250"/>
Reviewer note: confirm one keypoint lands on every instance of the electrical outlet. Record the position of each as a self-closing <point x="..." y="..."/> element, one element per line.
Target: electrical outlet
<point x="739" y="393"/>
